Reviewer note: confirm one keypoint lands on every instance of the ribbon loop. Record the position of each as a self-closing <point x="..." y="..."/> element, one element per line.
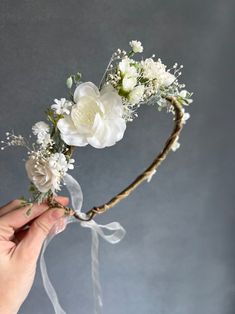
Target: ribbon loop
<point x="116" y="235"/>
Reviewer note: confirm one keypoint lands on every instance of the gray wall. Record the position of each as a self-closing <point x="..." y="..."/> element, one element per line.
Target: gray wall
<point x="178" y="256"/>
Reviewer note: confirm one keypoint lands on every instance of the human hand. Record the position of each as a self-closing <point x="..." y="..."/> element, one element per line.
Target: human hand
<point x="20" y="248"/>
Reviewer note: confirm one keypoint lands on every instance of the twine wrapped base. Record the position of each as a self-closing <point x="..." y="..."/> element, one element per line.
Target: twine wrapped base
<point x="144" y="176"/>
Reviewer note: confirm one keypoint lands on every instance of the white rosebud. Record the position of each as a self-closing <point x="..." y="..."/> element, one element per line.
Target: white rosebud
<point x="69" y="82"/>
<point x="128" y="83"/>
<point x="136" y="46"/>
<point x="136" y="94"/>
<point x="95" y="119"/>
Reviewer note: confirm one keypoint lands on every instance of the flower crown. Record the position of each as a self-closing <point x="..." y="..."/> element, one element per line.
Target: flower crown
<point x="98" y="116"/>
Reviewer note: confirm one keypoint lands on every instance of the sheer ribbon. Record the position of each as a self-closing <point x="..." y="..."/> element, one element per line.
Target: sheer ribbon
<point x="116" y="235"/>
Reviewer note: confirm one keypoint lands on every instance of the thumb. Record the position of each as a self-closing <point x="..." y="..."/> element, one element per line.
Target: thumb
<point x="31" y="245"/>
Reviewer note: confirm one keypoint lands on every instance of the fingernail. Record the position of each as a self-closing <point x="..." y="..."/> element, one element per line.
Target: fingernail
<point x="57" y="213"/>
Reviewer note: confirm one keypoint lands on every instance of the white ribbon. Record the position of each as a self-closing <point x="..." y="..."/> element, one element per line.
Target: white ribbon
<point x="97" y="230"/>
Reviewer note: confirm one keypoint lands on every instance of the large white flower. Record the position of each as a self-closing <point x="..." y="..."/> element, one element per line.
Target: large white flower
<point x="46" y="173"/>
<point x="41" y="175"/>
<point x="95" y="119"/>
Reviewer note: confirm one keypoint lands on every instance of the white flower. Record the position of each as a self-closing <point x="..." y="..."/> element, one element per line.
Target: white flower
<point x="41" y="130"/>
<point x="128" y="83"/>
<point x="151" y="68"/>
<point x="95" y="119"/>
<point x="176" y="144"/>
<point x="136" y="46"/>
<point x="40" y="127"/>
<point x="184" y="94"/>
<point x="186" y="116"/>
<point x="47" y="140"/>
<point x="157" y="70"/>
<point x="136" y="94"/>
<point x="46" y="173"/>
<point x="166" y="79"/>
<point x="127" y="69"/>
<point x="61" y="106"/>
<point x="41" y="175"/>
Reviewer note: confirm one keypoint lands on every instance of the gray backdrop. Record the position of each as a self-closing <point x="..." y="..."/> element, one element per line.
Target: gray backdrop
<point x="178" y="256"/>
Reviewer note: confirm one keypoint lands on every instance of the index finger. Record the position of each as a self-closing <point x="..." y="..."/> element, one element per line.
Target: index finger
<point x="17" y="218"/>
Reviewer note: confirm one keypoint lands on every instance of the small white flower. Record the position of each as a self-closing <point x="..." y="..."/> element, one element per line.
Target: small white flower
<point x="153" y="70"/>
<point x="128" y="83"/>
<point x="186" y="116"/>
<point x="45" y="141"/>
<point x="166" y="79"/>
<point x="127" y="69"/>
<point x="58" y="162"/>
<point x="40" y="127"/>
<point x="61" y="106"/>
<point x="136" y="46"/>
<point x="184" y="94"/>
<point x="136" y="94"/>
<point x="95" y="119"/>
<point x="176" y="144"/>
<point x="41" y="130"/>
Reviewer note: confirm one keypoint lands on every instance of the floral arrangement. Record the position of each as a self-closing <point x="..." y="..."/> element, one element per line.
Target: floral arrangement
<point x="98" y="116"/>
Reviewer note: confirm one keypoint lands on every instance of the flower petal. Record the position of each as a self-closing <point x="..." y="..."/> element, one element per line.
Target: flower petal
<point x="86" y="89"/>
<point x="66" y="126"/>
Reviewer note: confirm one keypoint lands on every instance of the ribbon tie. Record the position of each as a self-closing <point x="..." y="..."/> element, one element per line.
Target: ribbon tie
<point x="97" y="230"/>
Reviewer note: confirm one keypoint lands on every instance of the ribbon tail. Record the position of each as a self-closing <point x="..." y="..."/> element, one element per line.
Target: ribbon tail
<point x="97" y="290"/>
<point x="46" y="280"/>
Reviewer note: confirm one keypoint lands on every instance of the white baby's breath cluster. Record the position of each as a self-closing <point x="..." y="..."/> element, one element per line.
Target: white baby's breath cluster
<point x="97" y="115"/>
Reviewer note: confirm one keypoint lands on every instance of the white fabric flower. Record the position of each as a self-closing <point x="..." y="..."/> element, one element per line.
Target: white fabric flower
<point x="46" y="173"/>
<point x="41" y="130"/>
<point x="136" y="94"/>
<point x="95" y="119"/>
<point x="41" y="175"/>
<point x="128" y="83"/>
<point x="136" y="46"/>
<point x="62" y="106"/>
